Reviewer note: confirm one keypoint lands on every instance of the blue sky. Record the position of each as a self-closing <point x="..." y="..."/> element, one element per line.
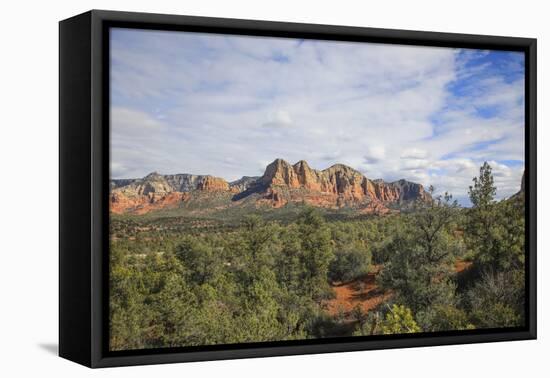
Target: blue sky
<point x="229" y="105"/>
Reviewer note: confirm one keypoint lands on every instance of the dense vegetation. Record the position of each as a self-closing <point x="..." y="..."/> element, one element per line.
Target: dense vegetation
<point x="177" y="282"/>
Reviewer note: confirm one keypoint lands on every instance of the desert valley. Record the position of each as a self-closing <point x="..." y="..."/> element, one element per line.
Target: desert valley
<point x="302" y="253"/>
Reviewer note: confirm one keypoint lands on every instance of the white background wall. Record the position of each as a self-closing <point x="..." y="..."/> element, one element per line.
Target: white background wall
<point x="29" y="187"/>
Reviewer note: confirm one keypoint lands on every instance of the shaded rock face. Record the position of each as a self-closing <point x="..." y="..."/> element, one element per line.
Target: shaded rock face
<point x="335" y="187"/>
<point x="118" y="183"/>
<point x="522" y="188"/>
<point x="243" y="183"/>
<point x="152" y="183"/>
<point x="183" y="182"/>
<point x="521" y="194"/>
<point x="400" y="191"/>
<point x="156" y="183"/>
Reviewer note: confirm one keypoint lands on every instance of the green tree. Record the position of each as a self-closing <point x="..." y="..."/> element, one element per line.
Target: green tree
<point x="398" y="319"/>
<point x="317" y="253"/>
<point x="494" y="232"/>
<point x="421" y="255"/>
<point x="351" y="261"/>
<point x="359" y="315"/>
<point x="497" y="300"/>
<point x="482" y="222"/>
<point x="482" y="193"/>
<point x="447" y="318"/>
<point x="200" y="258"/>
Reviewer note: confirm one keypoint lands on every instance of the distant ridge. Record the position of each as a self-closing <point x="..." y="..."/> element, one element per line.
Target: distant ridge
<point x="335" y="187"/>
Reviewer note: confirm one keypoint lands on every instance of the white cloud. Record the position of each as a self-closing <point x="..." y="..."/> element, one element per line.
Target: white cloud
<point x="228" y="106"/>
<point x="375" y="154"/>
<point x="278" y="118"/>
<point x="414" y="153"/>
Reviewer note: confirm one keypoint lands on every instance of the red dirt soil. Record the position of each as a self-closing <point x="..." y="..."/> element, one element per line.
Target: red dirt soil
<point x="461" y="265"/>
<point x="362" y="291"/>
<point x="365" y="292"/>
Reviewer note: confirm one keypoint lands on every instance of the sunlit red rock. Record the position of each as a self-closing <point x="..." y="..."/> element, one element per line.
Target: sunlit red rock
<point x="335" y="187"/>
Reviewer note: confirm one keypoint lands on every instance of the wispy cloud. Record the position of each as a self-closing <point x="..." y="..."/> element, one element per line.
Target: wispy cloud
<point x="227" y="105"/>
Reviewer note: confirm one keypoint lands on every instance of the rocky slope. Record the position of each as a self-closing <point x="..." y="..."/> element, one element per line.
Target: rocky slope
<point x="243" y="183"/>
<point x="282" y="183"/>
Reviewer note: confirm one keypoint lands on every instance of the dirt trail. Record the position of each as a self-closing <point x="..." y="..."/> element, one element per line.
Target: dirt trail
<point x="462" y="265"/>
<point x="365" y="292"/>
<point x="362" y="291"/>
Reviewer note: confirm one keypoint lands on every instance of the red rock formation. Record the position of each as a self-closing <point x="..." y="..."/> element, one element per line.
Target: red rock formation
<point x="121" y="203"/>
<point x="386" y="193"/>
<point x="155" y="192"/>
<point x="335" y="187"/>
<point x="280" y="173"/>
<point x="345" y="181"/>
<point x="345" y="184"/>
<point x="212" y="184"/>
<point x="275" y="198"/>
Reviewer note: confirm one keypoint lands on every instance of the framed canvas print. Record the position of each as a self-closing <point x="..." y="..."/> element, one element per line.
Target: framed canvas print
<point x="234" y="188"/>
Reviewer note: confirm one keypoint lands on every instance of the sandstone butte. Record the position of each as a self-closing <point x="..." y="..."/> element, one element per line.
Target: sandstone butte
<point x="335" y="187"/>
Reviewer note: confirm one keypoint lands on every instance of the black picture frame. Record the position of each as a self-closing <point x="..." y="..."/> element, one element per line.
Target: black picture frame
<point x="84" y="186"/>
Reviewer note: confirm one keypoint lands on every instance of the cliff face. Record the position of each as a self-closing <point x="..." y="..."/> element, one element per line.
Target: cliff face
<point x="155" y="191"/>
<point x="522" y="187"/>
<point x="338" y="179"/>
<point x="122" y="203"/>
<point x="335" y="187"/>
<point x="183" y="182"/>
<point x="520" y="195"/>
<point x="243" y="183"/>
<point x="212" y="184"/>
<point x="399" y="191"/>
<point x="343" y="183"/>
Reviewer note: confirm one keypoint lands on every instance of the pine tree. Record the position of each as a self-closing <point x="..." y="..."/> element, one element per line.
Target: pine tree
<point x="482" y="225"/>
<point x="482" y="193"/>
